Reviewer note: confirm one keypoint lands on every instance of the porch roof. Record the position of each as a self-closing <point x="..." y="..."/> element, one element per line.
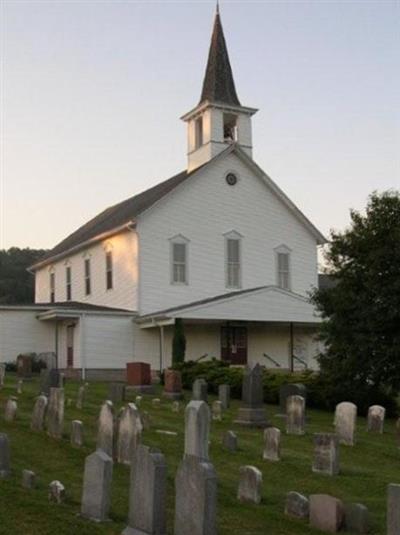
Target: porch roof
<point x="264" y="304"/>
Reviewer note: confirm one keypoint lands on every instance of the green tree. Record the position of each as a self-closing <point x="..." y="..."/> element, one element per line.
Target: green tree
<point x="16" y="283"/>
<point x="361" y="312"/>
<point x="178" y="343"/>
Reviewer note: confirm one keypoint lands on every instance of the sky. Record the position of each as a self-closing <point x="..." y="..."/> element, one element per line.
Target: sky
<point x="92" y="92"/>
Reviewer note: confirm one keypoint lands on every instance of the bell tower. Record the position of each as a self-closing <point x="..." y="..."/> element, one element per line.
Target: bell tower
<point x="219" y="119"/>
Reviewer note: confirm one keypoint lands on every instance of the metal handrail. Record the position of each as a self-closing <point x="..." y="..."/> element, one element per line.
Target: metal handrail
<point x="301" y="361"/>
<point x="202" y="357"/>
<point x="272" y="360"/>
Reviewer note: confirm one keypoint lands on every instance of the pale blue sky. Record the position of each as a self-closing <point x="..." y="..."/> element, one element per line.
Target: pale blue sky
<point x="93" y="92"/>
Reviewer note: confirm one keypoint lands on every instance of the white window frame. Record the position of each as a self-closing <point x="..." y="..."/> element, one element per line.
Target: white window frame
<point x="87" y="276"/>
<point x="68" y="282"/>
<point x="179" y="239"/>
<point x="283" y="249"/>
<point x="233" y="235"/>
<point x="109" y="269"/>
<point x="52" y="285"/>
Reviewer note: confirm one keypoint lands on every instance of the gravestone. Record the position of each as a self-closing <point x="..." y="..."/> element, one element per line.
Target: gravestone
<point x="345" y="422"/>
<point x="129" y="433"/>
<point x="28" y="479"/>
<point x="252" y="414"/>
<point x="272" y="444"/>
<point x="76" y="433"/>
<point x="173" y="384"/>
<point x="105" y="430"/>
<point x="295" y="415"/>
<point x="250" y="485"/>
<point x="81" y="397"/>
<point x="49" y="358"/>
<point x="216" y="408"/>
<point x="290" y="389"/>
<point x="24" y="366"/>
<point x="116" y="393"/>
<point x="2" y="374"/>
<point x="195" y="497"/>
<point x="138" y="400"/>
<point x="138" y="376"/>
<point x="200" y="390"/>
<point x="398" y="433"/>
<point x="393" y="510"/>
<point x="147" y="494"/>
<point x="56" y="492"/>
<point x="39" y="413"/>
<point x="5" y="468"/>
<point x="49" y="379"/>
<point x="356" y="518"/>
<point x="146" y="420"/>
<point x="156" y="403"/>
<point x="326" y="513"/>
<point x="176" y="406"/>
<point x="224" y="395"/>
<point x="197" y="428"/>
<point x="297" y="505"/>
<point x="10" y="411"/>
<point x="229" y="440"/>
<point x="55" y="413"/>
<point x="20" y="385"/>
<point x="97" y="486"/>
<point x="376" y="418"/>
<point x="326" y="454"/>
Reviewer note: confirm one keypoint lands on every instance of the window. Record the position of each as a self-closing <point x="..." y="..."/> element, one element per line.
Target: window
<point x="283" y="260"/>
<point x="88" y="288"/>
<point x="68" y="283"/>
<point x="179" y="255"/>
<point x="198" y="132"/>
<point x="232" y="262"/>
<point x="230" y="127"/>
<point x="52" y="287"/>
<point x="109" y="271"/>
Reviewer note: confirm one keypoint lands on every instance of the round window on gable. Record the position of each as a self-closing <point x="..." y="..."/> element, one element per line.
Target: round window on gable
<point x="231" y="179"/>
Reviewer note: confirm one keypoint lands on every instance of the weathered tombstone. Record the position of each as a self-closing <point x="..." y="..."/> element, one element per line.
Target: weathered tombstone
<point x="146" y="420"/>
<point x="49" y="358"/>
<point x="200" y="390"/>
<point x="197" y="428"/>
<point x="129" y="433"/>
<point x="56" y="492"/>
<point x="20" y="385"/>
<point x="272" y="444"/>
<point x="156" y="402"/>
<point x="376" y="418"/>
<point x="326" y="513"/>
<point x="356" y="518"/>
<point x="138" y="400"/>
<point x="39" y="413"/>
<point x="229" y="440"/>
<point x="4" y="456"/>
<point x="97" y="486"/>
<point x="173" y="384"/>
<point x="398" y="433"/>
<point x="61" y="380"/>
<point x="138" y="375"/>
<point x="345" y="422"/>
<point x="295" y="415"/>
<point x="76" y="433"/>
<point x="195" y="497"/>
<point x="290" y="389"/>
<point x="297" y="505"/>
<point x="24" y="365"/>
<point x="217" y="410"/>
<point x="81" y="397"/>
<point x="224" y="395"/>
<point x="105" y="432"/>
<point x="116" y="393"/>
<point x="176" y="406"/>
<point x="10" y="412"/>
<point x="2" y="374"/>
<point x="250" y="485"/>
<point x="393" y="510"/>
<point x="147" y="494"/>
<point x="55" y="416"/>
<point x="28" y="479"/>
<point x="326" y="454"/>
<point x="49" y="379"/>
<point x="252" y="414"/>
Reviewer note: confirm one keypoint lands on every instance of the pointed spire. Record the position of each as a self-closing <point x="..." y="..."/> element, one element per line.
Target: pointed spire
<point x="218" y="85"/>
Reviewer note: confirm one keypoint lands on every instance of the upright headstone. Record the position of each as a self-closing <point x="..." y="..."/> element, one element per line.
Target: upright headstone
<point x="290" y="389"/>
<point x="129" y="433"/>
<point x="105" y="432"/>
<point x="138" y="400"/>
<point x="356" y="518"/>
<point x="217" y="410"/>
<point x="116" y="393"/>
<point x="393" y="510"/>
<point x="197" y="428"/>
<point x="97" y="486"/>
<point x="2" y="374"/>
<point x="39" y="413"/>
<point x="200" y="390"/>
<point x="195" y="497"/>
<point x="56" y="492"/>
<point x="28" y="479"/>
<point x="272" y="444"/>
<point x="229" y="440"/>
<point x="326" y="454"/>
<point x="10" y="412"/>
<point x="138" y="376"/>
<point x="297" y="505"/>
<point x="146" y="420"/>
<point x="376" y="418"/>
<point x="49" y="379"/>
<point x="20" y="385"/>
<point x="173" y="384"/>
<point x="24" y="365"/>
<point x="295" y="415"/>
<point x="81" y="397"/>
<point x="345" y="422"/>
<point x="147" y="494"/>
<point x="250" y="485"/>
<point x="5" y="468"/>
<point x="55" y="416"/>
<point x="224" y="395"/>
<point x="252" y="413"/>
<point x="176" y="406"/>
<point x="49" y="358"/>
<point x="326" y="513"/>
<point x="76" y="433"/>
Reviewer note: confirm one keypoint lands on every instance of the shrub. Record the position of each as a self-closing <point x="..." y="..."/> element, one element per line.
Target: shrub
<point x="178" y="342"/>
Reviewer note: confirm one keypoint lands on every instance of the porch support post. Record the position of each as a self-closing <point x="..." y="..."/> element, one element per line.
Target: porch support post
<point x="56" y="344"/>
<point x="161" y="347"/>
<point x="82" y="346"/>
<point x="291" y="346"/>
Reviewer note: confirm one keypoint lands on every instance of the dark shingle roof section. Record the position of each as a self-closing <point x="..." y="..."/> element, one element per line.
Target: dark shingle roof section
<point x="218" y="85"/>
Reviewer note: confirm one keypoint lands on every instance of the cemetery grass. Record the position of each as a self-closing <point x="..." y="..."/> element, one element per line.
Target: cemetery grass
<point x="366" y="469"/>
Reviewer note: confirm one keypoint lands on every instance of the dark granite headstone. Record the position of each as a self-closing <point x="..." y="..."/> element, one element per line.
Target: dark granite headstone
<point x="290" y="389"/>
<point x="252" y="413"/>
<point x="49" y="379"/>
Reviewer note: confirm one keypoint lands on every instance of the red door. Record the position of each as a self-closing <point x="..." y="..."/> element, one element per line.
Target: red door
<point x="70" y="346"/>
<point x="234" y="344"/>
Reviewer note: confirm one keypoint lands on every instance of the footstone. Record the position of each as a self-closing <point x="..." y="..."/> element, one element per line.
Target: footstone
<point x="326" y="454"/>
<point x="356" y="518"/>
<point x="28" y="479"/>
<point x="55" y="417"/>
<point x="10" y="412"/>
<point x="97" y="486"/>
<point x="156" y="402"/>
<point x="216" y="410"/>
<point x="326" y="513"/>
<point x="252" y="414"/>
<point x="345" y="422"/>
<point x="393" y="510"/>
<point x="200" y="390"/>
<point x="138" y="400"/>
<point x="39" y="413"/>
<point x="129" y="433"/>
<point x="229" y="440"/>
<point x="2" y="374"/>
<point x="116" y="393"/>
<point x="297" y="505"/>
<point x="224" y="395"/>
<point x="147" y="494"/>
<point x="20" y="385"/>
<point x="56" y="492"/>
<point x="290" y="389"/>
<point x="250" y="485"/>
<point x="376" y="418"/>
<point x="272" y="444"/>
<point x="295" y="415"/>
<point x="5" y="467"/>
<point x="197" y="428"/>
<point x="105" y="431"/>
<point x="76" y="433"/>
<point x="195" y="498"/>
<point x="81" y="397"/>
<point x="176" y="406"/>
<point x="173" y="384"/>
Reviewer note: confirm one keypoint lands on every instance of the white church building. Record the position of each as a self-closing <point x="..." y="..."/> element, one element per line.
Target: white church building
<point x="219" y="245"/>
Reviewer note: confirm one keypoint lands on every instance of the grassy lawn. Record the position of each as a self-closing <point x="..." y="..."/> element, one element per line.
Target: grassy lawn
<point x="366" y="469"/>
